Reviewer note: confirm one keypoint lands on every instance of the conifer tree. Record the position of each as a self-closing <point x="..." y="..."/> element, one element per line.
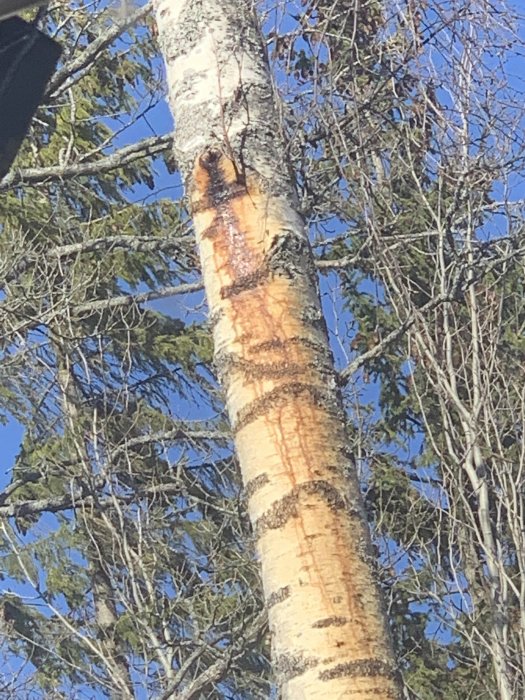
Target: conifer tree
<point x="128" y="566"/>
<point x="126" y="559"/>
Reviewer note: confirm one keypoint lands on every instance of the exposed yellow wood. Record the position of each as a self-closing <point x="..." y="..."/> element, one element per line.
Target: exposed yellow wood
<point x="328" y="635"/>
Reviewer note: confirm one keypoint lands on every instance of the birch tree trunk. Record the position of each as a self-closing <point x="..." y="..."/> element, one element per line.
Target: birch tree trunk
<point x="329" y="635"/>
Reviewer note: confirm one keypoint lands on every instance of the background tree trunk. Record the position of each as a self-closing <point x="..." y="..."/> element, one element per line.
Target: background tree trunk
<point x="102" y="592"/>
<point x="328" y="630"/>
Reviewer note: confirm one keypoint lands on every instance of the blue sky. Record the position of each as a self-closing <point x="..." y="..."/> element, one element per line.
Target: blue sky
<point x="159" y="121"/>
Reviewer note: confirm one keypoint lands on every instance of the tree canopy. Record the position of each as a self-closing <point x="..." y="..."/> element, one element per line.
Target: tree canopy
<point x="127" y="558"/>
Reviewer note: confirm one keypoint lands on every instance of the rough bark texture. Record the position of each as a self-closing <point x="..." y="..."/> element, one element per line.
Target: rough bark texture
<point x="329" y="638"/>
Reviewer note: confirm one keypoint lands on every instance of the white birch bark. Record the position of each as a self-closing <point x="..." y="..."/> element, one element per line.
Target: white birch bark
<point x="329" y="636"/>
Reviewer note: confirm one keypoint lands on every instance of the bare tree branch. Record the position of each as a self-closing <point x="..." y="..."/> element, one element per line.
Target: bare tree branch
<point x="129" y="154"/>
<point x="63" y="77"/>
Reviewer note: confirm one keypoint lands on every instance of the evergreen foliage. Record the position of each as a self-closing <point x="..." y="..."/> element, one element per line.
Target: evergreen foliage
<point x="127" y="565"/>
<point x="126" y="558"/>
<point x="407" y="157"/>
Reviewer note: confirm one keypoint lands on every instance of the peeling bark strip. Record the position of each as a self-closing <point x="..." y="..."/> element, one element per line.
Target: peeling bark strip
<point x="328" y="633"/>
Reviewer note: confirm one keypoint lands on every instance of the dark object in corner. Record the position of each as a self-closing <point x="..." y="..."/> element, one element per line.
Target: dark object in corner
<point x="27" y="61"/>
